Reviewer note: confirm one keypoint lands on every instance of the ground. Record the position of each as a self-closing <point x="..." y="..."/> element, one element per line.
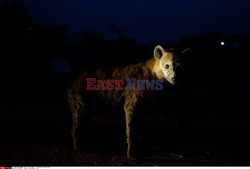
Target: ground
<point x="38" y="140"/>
<point x="36" y="131"/>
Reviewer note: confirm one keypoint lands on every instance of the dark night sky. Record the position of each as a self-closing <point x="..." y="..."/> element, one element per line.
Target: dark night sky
<point x="146" y="21"/>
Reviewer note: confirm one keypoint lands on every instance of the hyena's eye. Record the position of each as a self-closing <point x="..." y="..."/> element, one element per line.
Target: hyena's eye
<point x="166" y="66"/>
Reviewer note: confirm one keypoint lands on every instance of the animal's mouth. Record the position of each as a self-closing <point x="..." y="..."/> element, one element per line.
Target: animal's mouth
<point x="172" y="81"/>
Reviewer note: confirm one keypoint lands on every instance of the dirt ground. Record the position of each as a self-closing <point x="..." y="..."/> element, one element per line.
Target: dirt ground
<point x="39" y="135"/>
<point x="107" y="154"/>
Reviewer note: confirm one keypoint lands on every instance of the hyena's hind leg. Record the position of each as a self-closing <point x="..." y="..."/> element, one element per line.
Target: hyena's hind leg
<point x="77" y="107"/>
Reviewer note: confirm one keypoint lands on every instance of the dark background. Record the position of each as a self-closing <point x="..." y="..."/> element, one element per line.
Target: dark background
<point x="202" y="121"/>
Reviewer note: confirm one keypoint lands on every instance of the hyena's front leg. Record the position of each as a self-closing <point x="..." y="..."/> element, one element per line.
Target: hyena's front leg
<point x="129" y="107"/>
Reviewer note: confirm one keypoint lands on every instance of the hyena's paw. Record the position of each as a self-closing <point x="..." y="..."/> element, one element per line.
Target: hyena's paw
<point x="75" y="148"/>
<point x="132" y="156"/>
<point x="133" y="159"/>
<point x="80" y="149"/>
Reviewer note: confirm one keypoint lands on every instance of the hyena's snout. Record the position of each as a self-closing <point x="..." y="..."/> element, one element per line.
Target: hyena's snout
<point x="172" y="78"/>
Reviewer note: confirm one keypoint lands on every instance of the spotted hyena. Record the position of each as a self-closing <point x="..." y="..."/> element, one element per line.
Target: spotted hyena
<point x="159" y="67"/>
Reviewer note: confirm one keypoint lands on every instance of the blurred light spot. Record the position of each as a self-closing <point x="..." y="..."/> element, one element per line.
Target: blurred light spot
<point x="222" y="43"/>
<point x="29" y="30"/>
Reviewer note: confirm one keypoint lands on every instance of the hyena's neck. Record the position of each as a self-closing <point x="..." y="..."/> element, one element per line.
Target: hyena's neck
<point x="153" y="65"/>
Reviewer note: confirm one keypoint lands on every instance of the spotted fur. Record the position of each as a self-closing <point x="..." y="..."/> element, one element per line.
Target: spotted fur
<point x="161" y="66"/>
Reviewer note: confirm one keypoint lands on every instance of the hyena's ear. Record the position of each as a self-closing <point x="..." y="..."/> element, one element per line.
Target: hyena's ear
<point x="158" y="52"/>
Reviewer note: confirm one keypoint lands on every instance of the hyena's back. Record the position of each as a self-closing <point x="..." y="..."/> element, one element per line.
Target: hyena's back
<point x="114" y="97"/>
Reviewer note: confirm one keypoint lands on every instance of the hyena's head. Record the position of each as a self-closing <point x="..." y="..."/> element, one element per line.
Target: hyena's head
<point x="165" y="64"/>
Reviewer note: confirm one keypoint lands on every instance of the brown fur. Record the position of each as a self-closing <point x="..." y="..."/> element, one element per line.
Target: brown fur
<point x="149" y="70"/>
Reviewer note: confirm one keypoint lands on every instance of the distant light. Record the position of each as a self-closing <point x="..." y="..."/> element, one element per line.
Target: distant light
<point x="222" y="43"/>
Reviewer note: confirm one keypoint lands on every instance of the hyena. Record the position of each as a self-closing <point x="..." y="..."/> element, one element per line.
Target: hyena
<point x="159" y="67"/>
